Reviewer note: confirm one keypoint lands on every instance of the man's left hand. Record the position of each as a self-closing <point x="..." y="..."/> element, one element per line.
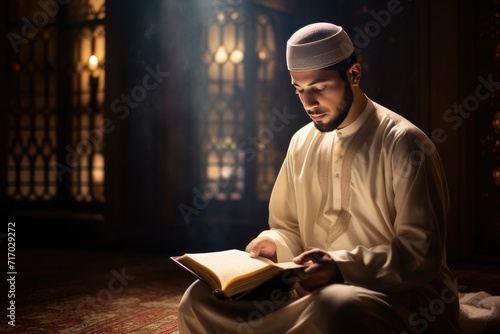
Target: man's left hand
<point x="322" y="270"/>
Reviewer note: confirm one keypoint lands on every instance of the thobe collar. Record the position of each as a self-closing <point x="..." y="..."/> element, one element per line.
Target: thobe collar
<point x="358" y="122"/>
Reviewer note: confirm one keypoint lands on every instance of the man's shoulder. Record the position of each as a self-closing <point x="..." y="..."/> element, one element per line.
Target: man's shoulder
<point x="305" y="132"/>
<point x="302" y="140"/>
<point x="400" y="131"/>
<point x="395" y="123"/>
<point x="388" y="114"/>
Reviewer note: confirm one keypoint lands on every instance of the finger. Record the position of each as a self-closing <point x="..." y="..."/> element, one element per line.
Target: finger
<point x="249" y="247"/>
<point x="304" y="257"/>
<point x="254" y="248"/>
<point x="312" y="268"/>
<point x="313" y="256"/>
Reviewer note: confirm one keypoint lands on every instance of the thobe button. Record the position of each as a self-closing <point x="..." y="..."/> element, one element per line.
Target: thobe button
<point x="337" y="174"/>
<point x="340" y="133"/>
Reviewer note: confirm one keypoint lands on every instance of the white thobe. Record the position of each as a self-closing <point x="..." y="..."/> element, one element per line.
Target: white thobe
<point x="374" y="195"/>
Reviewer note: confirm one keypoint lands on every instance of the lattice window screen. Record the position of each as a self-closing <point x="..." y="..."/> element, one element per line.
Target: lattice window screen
<point x="56" y="102"/>
<point x="32" y="125"/>
<point x="87" y="110"/>
<point x="222" y="114"/>
<point x="232" y="136"/>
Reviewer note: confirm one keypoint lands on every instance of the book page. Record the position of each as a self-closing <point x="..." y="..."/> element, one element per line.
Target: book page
<point x="231" y="263"/>
<point x="288" y="265"/>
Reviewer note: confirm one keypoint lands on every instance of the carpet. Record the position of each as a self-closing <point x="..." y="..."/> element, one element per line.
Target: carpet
<point x="77" y="292"/>
<point x="81" y="292"/>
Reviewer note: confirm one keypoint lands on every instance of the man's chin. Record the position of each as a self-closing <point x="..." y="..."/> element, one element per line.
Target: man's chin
<point x="325" y="127"/>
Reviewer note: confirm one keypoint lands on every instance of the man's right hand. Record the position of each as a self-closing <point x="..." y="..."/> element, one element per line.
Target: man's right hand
<point x="262" y="246"/>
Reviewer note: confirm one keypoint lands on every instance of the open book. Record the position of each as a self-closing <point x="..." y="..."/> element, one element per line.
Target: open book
<point x="233" y="273"/>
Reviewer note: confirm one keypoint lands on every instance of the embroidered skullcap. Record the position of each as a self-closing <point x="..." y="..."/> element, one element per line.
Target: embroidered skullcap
<point x="317" y="46"/>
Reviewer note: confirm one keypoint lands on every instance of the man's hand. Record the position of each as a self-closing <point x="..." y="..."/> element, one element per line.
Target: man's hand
<point x="262" y="246"/>
<point x="321" y="271"/>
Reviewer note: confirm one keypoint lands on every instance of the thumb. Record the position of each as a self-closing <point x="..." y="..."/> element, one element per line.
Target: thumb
<point x="253" y="248"/>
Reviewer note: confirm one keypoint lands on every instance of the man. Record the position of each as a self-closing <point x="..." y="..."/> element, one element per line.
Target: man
<point x="361" y="199"/>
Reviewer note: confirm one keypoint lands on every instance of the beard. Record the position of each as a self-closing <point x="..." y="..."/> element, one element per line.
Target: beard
<point x="342" y="111"/>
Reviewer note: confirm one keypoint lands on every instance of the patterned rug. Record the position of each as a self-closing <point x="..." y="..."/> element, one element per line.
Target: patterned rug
<point x="76" y="292"/>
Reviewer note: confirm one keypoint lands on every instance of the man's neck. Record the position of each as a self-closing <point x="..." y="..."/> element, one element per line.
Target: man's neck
<point x="358" y="105"/>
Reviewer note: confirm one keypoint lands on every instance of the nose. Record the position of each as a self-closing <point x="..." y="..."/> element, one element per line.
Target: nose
<point x="309" y="101"/>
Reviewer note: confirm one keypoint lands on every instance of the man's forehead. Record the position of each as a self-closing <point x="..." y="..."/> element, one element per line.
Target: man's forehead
<point x="309" y="78"/>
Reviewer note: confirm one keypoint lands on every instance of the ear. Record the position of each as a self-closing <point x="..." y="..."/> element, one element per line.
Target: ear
<point x="354" y="74"/>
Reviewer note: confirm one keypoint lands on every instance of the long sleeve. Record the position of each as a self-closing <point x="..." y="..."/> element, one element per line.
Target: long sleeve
<point x="283" y="220"/>
<point x="415" y="254"/>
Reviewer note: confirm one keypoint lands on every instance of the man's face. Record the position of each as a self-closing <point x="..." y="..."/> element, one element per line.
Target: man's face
<point x="325" y="97"/>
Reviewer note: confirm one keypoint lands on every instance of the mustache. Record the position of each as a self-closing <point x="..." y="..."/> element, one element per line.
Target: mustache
<point x="315" y="112"/>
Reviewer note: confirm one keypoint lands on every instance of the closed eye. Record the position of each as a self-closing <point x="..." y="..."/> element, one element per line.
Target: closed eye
<point x="319" y="89"/>
<point x="315" y="89"/>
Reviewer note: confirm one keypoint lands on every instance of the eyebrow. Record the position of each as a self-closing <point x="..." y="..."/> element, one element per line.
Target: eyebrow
<point x="319" y="80"/>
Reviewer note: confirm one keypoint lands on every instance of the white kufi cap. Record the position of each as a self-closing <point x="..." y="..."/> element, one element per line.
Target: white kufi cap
<point x="317" y="46"/>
